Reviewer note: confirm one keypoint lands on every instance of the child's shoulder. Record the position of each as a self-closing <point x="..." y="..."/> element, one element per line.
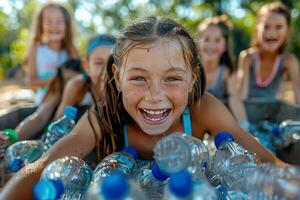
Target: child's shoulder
<point x="77" y="81"/>
<point x="290" y="59"/>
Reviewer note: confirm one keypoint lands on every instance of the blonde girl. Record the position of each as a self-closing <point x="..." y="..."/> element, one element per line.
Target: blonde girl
<point x="51" y="45"/>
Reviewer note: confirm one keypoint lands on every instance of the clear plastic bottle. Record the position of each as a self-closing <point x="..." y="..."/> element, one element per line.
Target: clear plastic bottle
<point x="152" y="180"/>
<point x="123" y="161"/>
<point x="180" y="151"/>
<point x="231" y="162"/>
<point x="181" y="186"/>
<point x="61" y="127"/>
<point x="116" y="186"/>
<point x="21" y="153"/>
<point x="271" y="183"/>
<point x="65" y="178"/>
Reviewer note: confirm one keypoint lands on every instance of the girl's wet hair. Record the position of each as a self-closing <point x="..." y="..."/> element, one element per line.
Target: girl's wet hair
<point x="37" y="31"/>
<point x="58" y="83"/>
<point x="110" y="112"/>
<point x="223" y="23"/>
<point x="278" y="8"/>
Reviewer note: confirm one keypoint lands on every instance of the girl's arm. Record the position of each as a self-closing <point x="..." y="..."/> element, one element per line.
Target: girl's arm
<point x="78" y="143"/>
<point x="35" y="123"/>
<point x="72" y="95"/>
<point x="244" y="64"/>
<point x="293" y="70"/>
<point x="31" y="70"/>
<point x="235" y="103"/>
<point x="215" y="118"/>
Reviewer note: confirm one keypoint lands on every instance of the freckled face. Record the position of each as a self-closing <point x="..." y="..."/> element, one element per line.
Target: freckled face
<point x="211" y="43"/>
<point x="272" y="31"/>
<point x="54" y="25"/>
<point x="155" y="83"/>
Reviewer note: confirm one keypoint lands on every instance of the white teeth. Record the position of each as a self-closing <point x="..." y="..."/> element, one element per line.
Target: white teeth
<point x="154" y="119"/>
<point x="152" y="112"/>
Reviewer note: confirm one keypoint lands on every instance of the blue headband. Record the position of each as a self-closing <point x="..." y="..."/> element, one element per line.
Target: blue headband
<point x="100" y="40"/>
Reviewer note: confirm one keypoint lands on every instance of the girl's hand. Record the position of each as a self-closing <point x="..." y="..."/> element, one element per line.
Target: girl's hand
<point x="4" y="143"/>
<point x="280" y="163"/>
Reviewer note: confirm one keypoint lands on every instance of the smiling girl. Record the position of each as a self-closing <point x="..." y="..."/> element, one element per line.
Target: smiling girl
<point x="264" y="65"/>
<point x="153" y="79"/>
<point x="220" y="71"/>
<point x="51" y="45"/>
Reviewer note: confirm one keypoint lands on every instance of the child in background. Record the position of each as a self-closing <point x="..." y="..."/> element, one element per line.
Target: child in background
<point x="81" y="89"/>
<point x="214" y="48"/>
<point x="51" y="45"/>
<point x="264" y="65"/>
<point x="153" y="78"/>
<point x="33" y="125"/>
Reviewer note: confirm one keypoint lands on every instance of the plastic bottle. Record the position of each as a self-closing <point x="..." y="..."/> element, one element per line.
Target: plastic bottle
<point x="116" y="186"/>
<point x="181" y="151"/>
<point x="21" y="153"/>
<point x="123" y="161"/>
<point x="181" y="186"/>
<point x="271" y="183"/>
<point x="152" y="180"/>
<point x="231" y="162"/>
<point x="286" y="133"/>
<point x="61" y="127"/>
<point x="65" y="178"/>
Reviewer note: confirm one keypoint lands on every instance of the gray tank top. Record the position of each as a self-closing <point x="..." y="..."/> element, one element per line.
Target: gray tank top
<point x="218" y="89"/>
<point x="270" y="90"/>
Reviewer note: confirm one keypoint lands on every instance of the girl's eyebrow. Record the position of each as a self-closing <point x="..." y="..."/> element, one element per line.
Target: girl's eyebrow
<point x="171" y="69"/>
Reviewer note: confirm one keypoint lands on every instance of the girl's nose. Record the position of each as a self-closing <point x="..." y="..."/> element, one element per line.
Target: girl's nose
<point x="154" y="92"/>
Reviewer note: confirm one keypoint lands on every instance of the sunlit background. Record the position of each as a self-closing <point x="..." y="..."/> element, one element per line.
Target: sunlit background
<point x="109" y="16"/>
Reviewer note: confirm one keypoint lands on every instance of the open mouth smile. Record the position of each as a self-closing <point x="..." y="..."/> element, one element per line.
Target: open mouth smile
<point x="155" y="116"/>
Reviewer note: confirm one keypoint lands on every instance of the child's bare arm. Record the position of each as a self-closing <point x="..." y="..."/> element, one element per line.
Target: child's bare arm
<point x="35" y="123"/>
<point x="244" y="64"/>
<point x="72" y="95"/>
<point x="235" y="103"/>
<point x="293" y="70"/>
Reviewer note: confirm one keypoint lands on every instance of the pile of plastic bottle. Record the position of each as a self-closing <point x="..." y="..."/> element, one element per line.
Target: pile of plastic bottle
<point x="274" y="136"/>
<point x="24" y="152"/>
<point x="182" y="169"/>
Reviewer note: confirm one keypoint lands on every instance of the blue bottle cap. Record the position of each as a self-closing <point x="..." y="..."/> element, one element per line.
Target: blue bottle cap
<point x="276" y="130"/>
<point x="158" y="173"/>
<point x="70" y="111"/>
<point x="15" y="164"/>
<point x="115" y="186"/>
<point x="181" y="184"/>
<point x="48" y="189"/>
<point x="222" y="136"/>
<point x="132" y="151"/>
